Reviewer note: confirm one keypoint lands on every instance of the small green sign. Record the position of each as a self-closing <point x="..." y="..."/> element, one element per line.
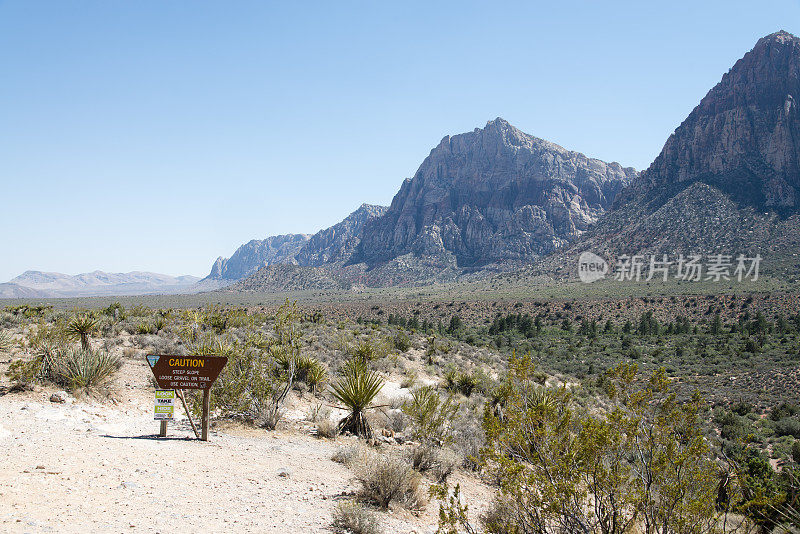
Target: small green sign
<point x="164" y="405"/>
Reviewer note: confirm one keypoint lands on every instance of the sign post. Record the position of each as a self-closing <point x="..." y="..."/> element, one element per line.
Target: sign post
<point x="187" y="372"/>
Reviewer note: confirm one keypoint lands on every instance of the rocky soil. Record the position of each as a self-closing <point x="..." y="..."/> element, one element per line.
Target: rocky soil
<point x="94" y="464"/>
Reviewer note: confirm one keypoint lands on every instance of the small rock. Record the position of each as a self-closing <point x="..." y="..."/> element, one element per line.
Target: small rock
<point x="59" y="397"/>
<point x="128" y="485"/>
<point x="284" y="472"/>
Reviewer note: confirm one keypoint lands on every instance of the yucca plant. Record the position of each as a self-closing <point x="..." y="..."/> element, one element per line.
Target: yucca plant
<point x="316" y="375"/>
<point x="78" y="369"/>
<point x="356" y="389"/>
<point x="81" y="327"/>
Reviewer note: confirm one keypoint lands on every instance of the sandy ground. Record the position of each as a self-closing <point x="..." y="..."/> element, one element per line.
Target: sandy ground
<point x="95" y="465"/>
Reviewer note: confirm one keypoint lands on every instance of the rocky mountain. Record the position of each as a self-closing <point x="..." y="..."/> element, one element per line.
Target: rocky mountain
<point x="43" y="284"/>
<point x="743" y="138"/>
<point x="727" y="180"/>
<point x="330" y="247"/>
<point x="492" y="195"/>
<point x="255" y="254"/>
<point x="337" y="243"/>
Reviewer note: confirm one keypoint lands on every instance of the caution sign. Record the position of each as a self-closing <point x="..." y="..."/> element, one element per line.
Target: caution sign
<point x="165" y="405"/>
<point x="185" y="372"/>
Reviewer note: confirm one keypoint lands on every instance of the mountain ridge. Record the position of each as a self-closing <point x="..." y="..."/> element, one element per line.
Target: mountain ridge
<point x="52" y="284"/>
<point x="491" y="195"/>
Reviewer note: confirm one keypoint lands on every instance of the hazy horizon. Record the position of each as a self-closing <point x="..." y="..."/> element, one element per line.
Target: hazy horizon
<point x="156" y="137"/>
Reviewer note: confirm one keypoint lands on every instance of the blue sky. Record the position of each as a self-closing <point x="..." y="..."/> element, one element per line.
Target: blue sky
<point x="157" y="135"/>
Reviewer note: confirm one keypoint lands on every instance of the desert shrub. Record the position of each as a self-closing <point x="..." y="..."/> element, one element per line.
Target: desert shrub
<point x="387" y="479"/>
<point x="25" y="372"/>
<point x="430" y="417"/>
<point x="350" y="517"/>
<point x="784" y="410"/>
<point x="218" y="322"/>
<point x="145" y="328"/>
<point x="401" y="341"/>
<point x="79" y="369"/>
<point x="438" y="462"/>
<point x="256" y="381"/>
<point x="367" y="350"/>
<point x="408" y="381"/>
<point x="468" y="439"/>
<point x="159" y="323"/>
<point x="788" y="427"/>
<point x="139" y="310"/>
<point x="251" y="386"/>
<point x="115" y="310"/>
<point x="396" y="420"/>
<point x="356" y="389"/>
<point x="645" y="457"/>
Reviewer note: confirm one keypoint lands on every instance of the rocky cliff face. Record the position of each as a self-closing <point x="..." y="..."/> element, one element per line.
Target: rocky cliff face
<point x="743" y="138"/>
<point x="337" y="243"/>
<point x="727" y="180"/>
<point x="491" y="195"/>
<point x="329" y="247"/>
<point x="257" y="253"/>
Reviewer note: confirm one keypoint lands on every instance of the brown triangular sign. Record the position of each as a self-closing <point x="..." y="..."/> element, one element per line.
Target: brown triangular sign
<point x="185" y="372"/>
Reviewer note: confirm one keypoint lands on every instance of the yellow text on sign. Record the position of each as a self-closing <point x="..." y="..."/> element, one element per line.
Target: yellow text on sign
<point x="186" y="362"/>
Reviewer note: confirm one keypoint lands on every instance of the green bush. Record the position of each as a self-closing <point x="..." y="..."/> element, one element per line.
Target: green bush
<point x="788" y="427"/>
<point x="430" y="416"/>
<point x="401" y="341"/>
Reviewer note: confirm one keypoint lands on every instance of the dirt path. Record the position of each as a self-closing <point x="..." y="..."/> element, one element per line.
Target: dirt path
<point x="94" y="466"/>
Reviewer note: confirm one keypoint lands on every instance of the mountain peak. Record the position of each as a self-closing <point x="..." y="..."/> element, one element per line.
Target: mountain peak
<point x="499" y="122"/>
<point x="780" y="36"/>
<point x="492" y="195"/>
<point x="744" y="136"/>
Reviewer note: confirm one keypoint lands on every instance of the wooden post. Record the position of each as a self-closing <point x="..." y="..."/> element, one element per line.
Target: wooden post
<point x="179" y="392"/>
<point x="205" y="417"/>
<point x="163" y="432"/>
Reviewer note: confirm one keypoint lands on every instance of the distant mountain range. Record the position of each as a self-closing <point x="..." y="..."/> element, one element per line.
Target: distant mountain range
<point x="496" y="199"/>
<point x="37" y="284"/>
<point x="486" y="200"/>
<point x="726" y="182"/>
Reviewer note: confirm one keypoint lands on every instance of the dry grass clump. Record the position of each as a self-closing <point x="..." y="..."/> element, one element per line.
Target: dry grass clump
<point x="327" y="429"/>
<point x="387" y="479"/>
<point x="354" y="518"/>
<point x="348" y="456"/>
